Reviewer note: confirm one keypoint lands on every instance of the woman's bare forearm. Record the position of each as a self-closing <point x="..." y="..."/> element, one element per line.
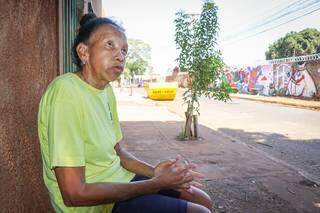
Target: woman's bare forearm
<point x="104" y="193"/>
<point x="132" y="164"/>
<point x="76" y="192"/>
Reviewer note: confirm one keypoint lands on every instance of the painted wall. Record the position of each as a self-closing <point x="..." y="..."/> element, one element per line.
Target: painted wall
<point x="298" y="79"/>
<point x="29" y="61"/>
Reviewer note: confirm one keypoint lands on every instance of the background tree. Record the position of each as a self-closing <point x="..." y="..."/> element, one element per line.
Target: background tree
<point x="196" y="41"/>
<point x="138" y="59"/>
<point x="300" y="43"/>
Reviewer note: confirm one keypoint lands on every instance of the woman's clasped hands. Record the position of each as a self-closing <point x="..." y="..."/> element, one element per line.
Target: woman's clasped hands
<point x="177" y="174"/>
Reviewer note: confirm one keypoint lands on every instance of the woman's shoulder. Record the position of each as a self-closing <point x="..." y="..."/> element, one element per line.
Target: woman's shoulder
<point x="63" y="80"/>
<point x="63" y="86"/>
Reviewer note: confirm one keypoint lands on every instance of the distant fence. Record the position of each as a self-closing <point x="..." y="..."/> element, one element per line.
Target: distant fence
<point x="296" y="76"/>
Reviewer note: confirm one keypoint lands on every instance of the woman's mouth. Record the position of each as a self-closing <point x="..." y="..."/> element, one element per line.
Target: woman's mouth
<point x="118" y="68"/>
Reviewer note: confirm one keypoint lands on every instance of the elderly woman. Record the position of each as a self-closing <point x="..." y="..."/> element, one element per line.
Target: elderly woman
<point x="85" y="169"/>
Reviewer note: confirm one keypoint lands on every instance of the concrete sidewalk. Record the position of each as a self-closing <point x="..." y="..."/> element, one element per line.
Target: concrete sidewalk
<point x="239" y="178"/>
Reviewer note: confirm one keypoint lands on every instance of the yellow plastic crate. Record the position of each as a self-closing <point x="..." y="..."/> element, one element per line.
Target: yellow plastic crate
<point x="162" y="91"/>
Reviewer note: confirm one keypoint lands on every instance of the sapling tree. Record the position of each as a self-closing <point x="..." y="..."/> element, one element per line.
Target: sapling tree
<point x="196" y="40"/>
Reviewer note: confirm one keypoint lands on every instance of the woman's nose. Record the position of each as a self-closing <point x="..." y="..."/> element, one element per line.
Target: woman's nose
<point x="120" y="56"/>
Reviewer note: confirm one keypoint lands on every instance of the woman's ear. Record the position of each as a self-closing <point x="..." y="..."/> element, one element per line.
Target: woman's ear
<point x="82" y="51"/>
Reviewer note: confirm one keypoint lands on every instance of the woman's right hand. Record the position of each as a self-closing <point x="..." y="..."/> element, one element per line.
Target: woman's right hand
<point x="176" y="175"/>
<point x="168" y="175"/>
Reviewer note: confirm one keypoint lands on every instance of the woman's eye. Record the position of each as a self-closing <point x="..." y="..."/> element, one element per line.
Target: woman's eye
<point x="109" y="44"/>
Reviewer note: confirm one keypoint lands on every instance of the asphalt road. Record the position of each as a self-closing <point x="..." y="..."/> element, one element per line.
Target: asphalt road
<point x="286" y="133"/>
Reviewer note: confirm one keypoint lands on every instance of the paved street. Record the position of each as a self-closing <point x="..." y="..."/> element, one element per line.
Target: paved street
<point x="284" y="132"/>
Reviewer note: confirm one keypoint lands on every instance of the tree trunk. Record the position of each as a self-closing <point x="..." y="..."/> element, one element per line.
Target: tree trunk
<point x="195" y="126"/>
<point x="187" y="129"/>
<point x="191" y="129"/>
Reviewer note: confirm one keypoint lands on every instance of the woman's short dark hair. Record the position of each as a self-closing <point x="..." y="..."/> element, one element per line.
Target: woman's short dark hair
<point x="89" y="23"/>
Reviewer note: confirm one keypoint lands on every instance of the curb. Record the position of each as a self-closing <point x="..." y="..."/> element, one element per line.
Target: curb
<point x="303" y="104"/>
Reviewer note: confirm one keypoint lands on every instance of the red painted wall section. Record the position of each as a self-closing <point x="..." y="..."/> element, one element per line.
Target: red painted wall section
<point x="29" y="61"/>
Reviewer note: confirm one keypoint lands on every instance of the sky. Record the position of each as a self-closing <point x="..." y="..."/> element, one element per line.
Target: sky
<point x="153" y="22"/>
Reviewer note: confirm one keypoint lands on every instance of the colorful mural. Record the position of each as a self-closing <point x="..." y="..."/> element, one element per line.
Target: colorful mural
<point x="255" y="79"/>
<point x="298" y="79"/>
<point x="300" y="82"/>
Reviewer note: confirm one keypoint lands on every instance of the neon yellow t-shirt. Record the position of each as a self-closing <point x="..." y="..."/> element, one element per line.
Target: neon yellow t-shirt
<point x="78" y="126"/>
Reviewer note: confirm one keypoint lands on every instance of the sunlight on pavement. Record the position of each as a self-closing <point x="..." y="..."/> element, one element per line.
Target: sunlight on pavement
<point x="138" y="108"/>
<point x="146" y="113"/>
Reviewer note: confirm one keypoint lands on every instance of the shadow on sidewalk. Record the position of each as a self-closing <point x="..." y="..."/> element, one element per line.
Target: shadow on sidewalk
<point x="238" y="178"/>
<point x="303" y="154"/>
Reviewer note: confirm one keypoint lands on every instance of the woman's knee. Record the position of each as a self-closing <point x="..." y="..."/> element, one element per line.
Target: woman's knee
<point x="206" y="199"/>
<point x="198" y="196"/>
<point x="196" y="208"/>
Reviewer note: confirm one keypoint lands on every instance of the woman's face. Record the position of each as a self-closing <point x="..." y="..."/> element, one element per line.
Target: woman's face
<point x="107" y="50"/>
